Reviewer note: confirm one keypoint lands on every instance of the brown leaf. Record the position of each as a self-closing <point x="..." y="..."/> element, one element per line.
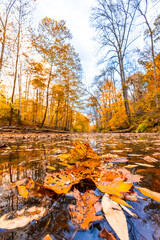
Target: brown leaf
<point x="30" y="183"/>
<point x="129" y="177"/>
<point x="83" y="213"/>
<point x="150" y="159"/>
<point x="107" y="235"/>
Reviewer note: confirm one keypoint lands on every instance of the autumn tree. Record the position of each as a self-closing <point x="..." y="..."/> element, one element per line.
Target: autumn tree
<point x="49" y="40"/>
<point x="113" y="22"/>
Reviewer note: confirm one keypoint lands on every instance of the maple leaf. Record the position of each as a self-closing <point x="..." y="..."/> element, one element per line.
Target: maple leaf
<point x="83" y="213"/>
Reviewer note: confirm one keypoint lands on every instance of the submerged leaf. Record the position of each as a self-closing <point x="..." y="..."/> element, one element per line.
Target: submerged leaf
<point x="22" y="217"/>
<point x="107" y="235"/>
<point x="115" y="217"/>
<point x="149" y="193"/>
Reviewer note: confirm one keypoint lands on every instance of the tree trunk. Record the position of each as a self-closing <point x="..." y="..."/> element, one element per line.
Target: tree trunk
<point x="124" y="87"/>
<point x="47" y="97"/>
<point x="16" y="69"/>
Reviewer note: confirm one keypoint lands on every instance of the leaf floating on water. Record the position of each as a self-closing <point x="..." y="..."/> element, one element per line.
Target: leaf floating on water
<point x="107" y="235"/>
<point x="47" y="237"/>
<point x="128" y="211"/>
<point x="116" y="188"/>
<point x="145" y="165"/>
<point x="131" y="166"/>
<point x="22" y="218"/>
<point x="129" y="177"/>
<point x="149" y="193"/>
<point x="150" y="159"/>
<point x="120" y="201"/>
<point x="81" y="151"/>
<point x="115" y="217"/>
<point x="50" y="167"/>
<point x="30" y="183"/>
<point x="23" y="191"/>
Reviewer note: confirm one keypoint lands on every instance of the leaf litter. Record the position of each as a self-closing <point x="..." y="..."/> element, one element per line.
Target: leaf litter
<point x="116" y="185"/>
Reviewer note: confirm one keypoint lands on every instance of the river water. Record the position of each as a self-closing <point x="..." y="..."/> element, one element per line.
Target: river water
<point x="28" y="155"/>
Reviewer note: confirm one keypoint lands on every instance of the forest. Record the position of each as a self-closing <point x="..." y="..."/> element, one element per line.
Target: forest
<point x="41" y="83"/>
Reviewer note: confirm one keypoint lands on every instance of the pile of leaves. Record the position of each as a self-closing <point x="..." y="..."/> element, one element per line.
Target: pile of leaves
<point x="84" y="172"/>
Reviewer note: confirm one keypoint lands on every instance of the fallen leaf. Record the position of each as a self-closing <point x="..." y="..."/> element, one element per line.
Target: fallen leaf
<point x="120" y="201"/>
<point x="145" y="165"/>
<point x="150" y="159"/>
<point x="105" y="234"/>
<point x="131" y="166"/>
<point x="18" y="183"/>
<point x="129" y="177"/>
<point x="50" y="167"/>
<point x="149" y="193"/>
<point x="47" y="237"/>
<point x="128" y="211"/>
<point x="22" y="217"/>
<point x="30" y="183"/>
<point x="23" y="191"/>
<point x="156" y="154"/>
<point x="83" y="213"/>
<point x="116" y="188"/>
<point x="115" y="217"/>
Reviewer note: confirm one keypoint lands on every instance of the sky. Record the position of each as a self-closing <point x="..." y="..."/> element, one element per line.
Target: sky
<point x="76" y="13"/>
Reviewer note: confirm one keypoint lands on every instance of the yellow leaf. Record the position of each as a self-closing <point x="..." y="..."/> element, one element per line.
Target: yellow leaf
<point x="120" y="201"/>
<point x="116" y="188"/>
<point x="50" y="167"/>
<point x="23" y="191"/>
<point x="149" y="193"/>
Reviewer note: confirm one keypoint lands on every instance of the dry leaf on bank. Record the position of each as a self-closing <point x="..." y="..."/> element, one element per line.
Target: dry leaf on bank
<point x="115" y="217"/>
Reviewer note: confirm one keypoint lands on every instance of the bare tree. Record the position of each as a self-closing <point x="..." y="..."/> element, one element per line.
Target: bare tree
<point x="113" y="21"/>
<point x="142" y="7"/>
<point x="4" y="25"/>
<point x="23" y="8"/>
